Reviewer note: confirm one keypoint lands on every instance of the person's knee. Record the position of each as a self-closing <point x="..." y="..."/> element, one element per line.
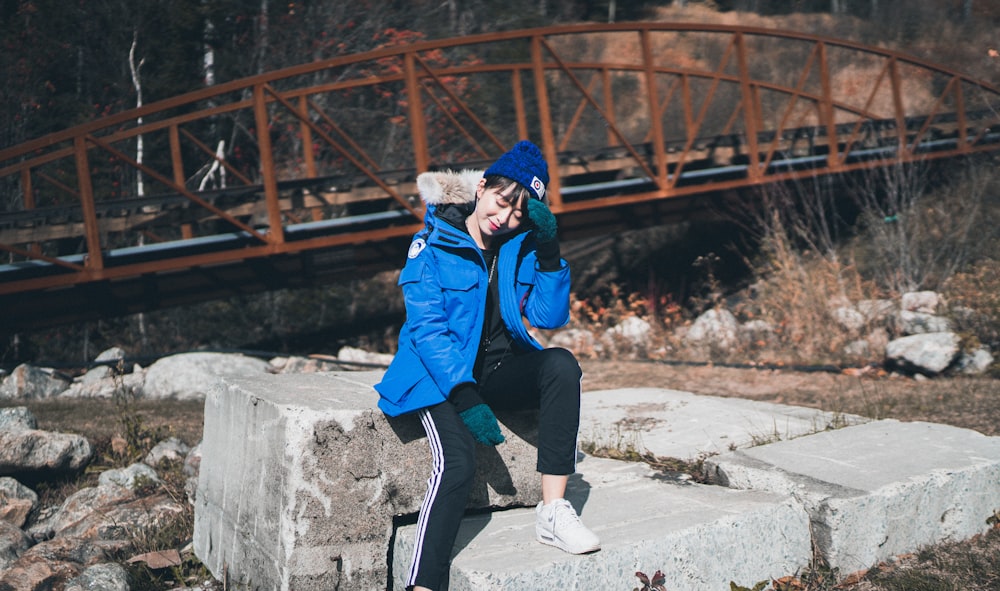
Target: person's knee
<point x="562" y="362"/>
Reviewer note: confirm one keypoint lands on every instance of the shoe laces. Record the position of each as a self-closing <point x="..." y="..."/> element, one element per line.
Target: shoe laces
<point x="564" y="514"/>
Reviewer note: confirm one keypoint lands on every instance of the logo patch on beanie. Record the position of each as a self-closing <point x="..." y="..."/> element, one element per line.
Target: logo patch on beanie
<point x="538" y="187"/>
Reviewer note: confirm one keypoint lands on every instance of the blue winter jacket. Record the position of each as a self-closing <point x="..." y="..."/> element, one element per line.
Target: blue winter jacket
<point x="444" y="284"/>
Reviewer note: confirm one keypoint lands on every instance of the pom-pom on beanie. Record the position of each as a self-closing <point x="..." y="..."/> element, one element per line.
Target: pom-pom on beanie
<point x="525" y="164"/>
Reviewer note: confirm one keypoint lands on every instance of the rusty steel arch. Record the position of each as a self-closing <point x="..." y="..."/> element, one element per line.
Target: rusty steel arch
<point x="634" y="125"/>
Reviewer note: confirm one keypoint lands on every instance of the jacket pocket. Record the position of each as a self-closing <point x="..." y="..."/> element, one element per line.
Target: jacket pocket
<point x="458" y="277"/>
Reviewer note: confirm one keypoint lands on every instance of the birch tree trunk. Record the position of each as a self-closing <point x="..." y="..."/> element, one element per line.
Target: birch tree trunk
<point x="137" y="84"/>
<point x="262" y="38"/>
<point x="139" y="187"/>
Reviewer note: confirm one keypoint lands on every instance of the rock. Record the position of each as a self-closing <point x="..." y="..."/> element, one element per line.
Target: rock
<point x="581" y="342"/>
<point x="32" y="383"/>
<point x="94" y="384"/>
<point x="35" y="454"/>
<point x="928" y="354"/>
<point x="301" y="365"/>
<point x="354" y="355"/>
<point x="633" y="329"/>
<point x="925" y="302"/>
<point x="134" y="477"/>
<point x="192" y="462"/>
<point x="33" y="573"/>
<point x="876" y="311"/>
<point x="871" y="347"/>
<point x="715" y="328"/>
<point x="910" y="323"/>
<point x="17" y="418"/>
<point x="107" y="360"/>
<point x="849" y="319"/>
<point x="107" y="576"/>
<point x="77" y="507"/>
<point x="170" y="450"/>
<point x="976" y="362"/>
<point x="16" y="501"/>
<point x="757" y="331"/>
<point x="109" y="513"/>
<point x="189" y="376"/>
<point x="51" y="564"/>
<point x="120" y="523"/>
<point x="858" y="349"/>
<point x="13" y="542"/>
<point x="191" y="469"/>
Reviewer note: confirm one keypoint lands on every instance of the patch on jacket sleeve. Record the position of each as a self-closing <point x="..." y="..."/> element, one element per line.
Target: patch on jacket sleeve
<point x="415" y="248"/>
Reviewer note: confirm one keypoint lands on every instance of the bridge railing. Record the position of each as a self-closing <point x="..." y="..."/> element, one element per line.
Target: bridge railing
<point x="325" y="153"/>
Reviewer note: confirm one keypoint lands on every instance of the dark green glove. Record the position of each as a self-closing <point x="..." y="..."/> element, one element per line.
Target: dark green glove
<point x="482" y="423"/>
<point x="478" y="417"/>
<point x="546" y="241"/>
<point x="543" y="220"/>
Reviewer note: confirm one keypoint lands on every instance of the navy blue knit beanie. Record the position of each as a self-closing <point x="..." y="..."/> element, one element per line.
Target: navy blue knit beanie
<point x="525" y="164"/>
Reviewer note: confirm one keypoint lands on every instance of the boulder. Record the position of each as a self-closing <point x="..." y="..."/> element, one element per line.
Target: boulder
<point x="189" y="376"/>
<point x="910" y="322"/>
<point x="581" y="342"/>
<point x="925" y="302"/>
<point x="107" y="362"/>
<point x="119" y="524"/>
<point x="715" y="328"/>
<point x="17" y="418"/>
<point x="927" y="354"/>
<point x="102" y="382"/>
<point x="28" y="382"/>
<point x="13" y="542"/>
<point x="168" y="450"/>
<point x="632" y="329"/>
<point x="355" y="355"/>
<point x="78" y="507"/>
<point x="16" y="501"/>
<point x="50" y="564"/>
<point x="850" y="319"/>
<point x="106" y="576"/>
<point x="976" y="362"/>
<point x="877" y="311"/>
<point x="33" y="454"/>
<point x="133" y="477"/>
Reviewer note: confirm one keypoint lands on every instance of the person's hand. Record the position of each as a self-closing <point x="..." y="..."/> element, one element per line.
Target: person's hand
<point x="482" y="423"/>
<point x="547" y="244"/>
<point x="543" y="220"/>
<point x="478" y="417"/>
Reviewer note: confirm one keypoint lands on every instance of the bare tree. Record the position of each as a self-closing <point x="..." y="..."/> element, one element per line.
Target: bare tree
<point x="918" y="239"/>
<point x="137" y="84"/>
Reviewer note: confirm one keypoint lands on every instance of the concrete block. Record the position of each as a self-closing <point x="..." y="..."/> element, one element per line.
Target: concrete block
<point x="301" y="478"/>
<point x="690" y="426"/>
<point x="702" y="537"/>
<point x="877" y="490"/>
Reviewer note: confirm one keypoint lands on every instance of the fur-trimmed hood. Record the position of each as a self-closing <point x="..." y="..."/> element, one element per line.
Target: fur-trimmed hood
<point x="448" y="187"/>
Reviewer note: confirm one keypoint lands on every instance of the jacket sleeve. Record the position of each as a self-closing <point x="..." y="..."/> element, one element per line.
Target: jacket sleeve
<point x="545" y="304"/>
<point x="442" y="351"/>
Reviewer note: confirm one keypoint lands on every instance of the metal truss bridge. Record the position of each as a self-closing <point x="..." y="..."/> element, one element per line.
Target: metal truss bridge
<point x="305" y="175"/>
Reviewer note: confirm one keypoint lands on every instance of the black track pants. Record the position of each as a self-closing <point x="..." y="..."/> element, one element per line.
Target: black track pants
<point x="548" y="380"/>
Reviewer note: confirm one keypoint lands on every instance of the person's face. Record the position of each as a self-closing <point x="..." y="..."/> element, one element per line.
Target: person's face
<point x="497" y="211"/>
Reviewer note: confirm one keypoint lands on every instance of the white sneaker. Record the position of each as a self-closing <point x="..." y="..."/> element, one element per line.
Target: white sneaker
<point x="557" y="524"/>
